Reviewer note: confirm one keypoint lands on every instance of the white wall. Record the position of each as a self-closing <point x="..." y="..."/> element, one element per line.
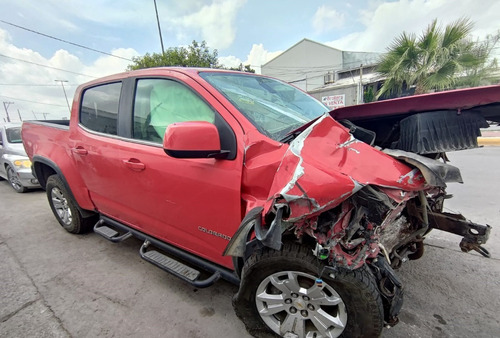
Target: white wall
<point x="304" y="64"/>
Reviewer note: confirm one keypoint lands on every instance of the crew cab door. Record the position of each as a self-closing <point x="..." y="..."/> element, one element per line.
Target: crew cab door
<point x="192" y="203"/>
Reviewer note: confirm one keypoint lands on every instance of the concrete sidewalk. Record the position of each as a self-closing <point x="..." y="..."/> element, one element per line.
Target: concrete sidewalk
<point x="489" y="136"/>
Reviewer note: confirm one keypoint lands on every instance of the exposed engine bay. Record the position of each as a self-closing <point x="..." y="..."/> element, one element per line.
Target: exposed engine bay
<point x="379" y="220"/>
<point x="364" y="192"/>
<point x="383" y="228"/>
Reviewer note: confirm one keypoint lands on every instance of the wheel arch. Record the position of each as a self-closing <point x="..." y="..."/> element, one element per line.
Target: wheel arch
<point x="237" y="246"/>
<point x="43" y="168"/>
<point x="241" y="247"/>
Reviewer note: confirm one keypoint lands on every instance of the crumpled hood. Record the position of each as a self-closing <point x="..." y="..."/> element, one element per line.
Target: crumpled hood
<point x="325" y="165"/>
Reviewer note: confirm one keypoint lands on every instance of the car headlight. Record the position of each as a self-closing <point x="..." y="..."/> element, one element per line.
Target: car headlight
<point x="22" y="163"/>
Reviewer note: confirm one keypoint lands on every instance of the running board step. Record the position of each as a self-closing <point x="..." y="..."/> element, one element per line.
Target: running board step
<point x="176" y="268"/>
<point x="109" y="233"/>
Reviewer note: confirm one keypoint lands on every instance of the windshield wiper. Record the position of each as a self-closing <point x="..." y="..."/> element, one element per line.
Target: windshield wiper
<point x="290" y="136"/>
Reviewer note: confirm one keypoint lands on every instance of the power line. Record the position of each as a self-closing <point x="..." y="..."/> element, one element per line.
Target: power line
<point x="30" y="85"/>
<point x="38" y="64"/>
<point x="17" y="99"/>
<point x="65" y="41"/>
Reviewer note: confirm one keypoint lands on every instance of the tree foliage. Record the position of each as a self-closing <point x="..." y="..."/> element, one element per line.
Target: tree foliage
<point x="245" y="68"/>
<point x="437" y="60"/>
<point x="368" y="95"/>
<point x="195" y="55"/>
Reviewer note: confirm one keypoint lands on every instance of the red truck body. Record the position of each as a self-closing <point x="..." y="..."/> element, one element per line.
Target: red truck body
<point x="196" y="203"/>
<point x="156" y="199"/>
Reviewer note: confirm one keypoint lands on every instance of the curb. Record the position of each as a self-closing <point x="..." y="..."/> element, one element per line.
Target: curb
<point x="488" y="141"/>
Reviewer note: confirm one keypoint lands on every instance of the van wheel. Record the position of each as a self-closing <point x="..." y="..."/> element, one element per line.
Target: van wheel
<point x="64" y="207"/>
<point x="281" y="297"/>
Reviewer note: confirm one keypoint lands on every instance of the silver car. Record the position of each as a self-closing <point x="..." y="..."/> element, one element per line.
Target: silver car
<point x="15" y="165"/>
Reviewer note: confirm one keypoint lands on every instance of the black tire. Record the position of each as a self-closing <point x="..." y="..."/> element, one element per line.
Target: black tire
<point x="65" y="208"/>
<point x="14" y="181"/>
<point x="360" y="308"/>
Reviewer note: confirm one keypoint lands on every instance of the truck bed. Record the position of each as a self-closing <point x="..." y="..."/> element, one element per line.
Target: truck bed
<point x="49" y="141"/>
<point x="429" y="123"/>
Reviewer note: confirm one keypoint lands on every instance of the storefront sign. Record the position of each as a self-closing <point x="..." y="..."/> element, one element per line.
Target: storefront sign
<point x="334" y="101"/>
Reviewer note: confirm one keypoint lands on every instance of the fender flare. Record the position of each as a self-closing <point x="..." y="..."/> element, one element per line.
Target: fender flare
<point x="270" y="237"/>
<point x="39" y="174"/>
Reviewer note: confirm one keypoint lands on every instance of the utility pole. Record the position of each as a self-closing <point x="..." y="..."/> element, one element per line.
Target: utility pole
<point x="44" y="115"/>
<point x="360" y="88"/>
<point x="19" y="114"/>
<point x="159" y="29"/>
<point x="66" y="96"/>
<point x="6" y="106"/>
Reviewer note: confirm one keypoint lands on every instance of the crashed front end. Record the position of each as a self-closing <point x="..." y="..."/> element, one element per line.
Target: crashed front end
<point x="361" y="205"/>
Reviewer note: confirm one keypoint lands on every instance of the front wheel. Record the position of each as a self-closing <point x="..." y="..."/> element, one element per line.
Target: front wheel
<point x="281" y="295"/>
<point x="14" y="180"/>
<point x="64" y="207"/>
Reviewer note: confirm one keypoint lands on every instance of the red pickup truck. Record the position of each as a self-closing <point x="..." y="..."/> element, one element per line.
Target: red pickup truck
<point x="246" y="178"/>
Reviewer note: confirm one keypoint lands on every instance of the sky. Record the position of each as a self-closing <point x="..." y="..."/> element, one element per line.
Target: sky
<point x="243" y="31"/>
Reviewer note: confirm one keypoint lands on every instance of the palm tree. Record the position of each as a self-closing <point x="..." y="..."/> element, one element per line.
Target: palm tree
<point x="437" y="60"/>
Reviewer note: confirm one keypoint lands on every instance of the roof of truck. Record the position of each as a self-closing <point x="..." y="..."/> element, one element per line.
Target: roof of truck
<point x="158" y="71"/>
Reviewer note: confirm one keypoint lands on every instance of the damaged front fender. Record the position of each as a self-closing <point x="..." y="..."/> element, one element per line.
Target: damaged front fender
<point x="325" y="165"/>
<point x="355" y="201"/>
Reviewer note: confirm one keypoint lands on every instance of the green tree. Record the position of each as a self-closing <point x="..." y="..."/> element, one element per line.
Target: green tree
<point x="368" y="95"/>
<point x="195" y="55"/>
<point x="241" y="68"/>
<point x="437" y="60"/>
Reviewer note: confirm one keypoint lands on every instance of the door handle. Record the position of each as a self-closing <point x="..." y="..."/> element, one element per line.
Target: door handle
<point x="80" y="150"/>
<point x="134" y="164"/>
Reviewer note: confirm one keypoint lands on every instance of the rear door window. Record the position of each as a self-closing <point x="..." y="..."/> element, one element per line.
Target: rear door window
<point x="99" y="110"/>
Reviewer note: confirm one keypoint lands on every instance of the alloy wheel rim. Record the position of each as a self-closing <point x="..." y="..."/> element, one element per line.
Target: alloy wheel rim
<point x="13" y="179"/>
<point x="293" y="302"/>
<point x="61" y="206"/>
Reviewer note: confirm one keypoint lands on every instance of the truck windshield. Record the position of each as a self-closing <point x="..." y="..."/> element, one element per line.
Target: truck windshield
<point x="14" y="135"/>
<point x="273" y="107"/>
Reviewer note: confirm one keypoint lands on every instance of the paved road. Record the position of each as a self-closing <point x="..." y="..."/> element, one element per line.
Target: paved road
<point x="53" y="284"/>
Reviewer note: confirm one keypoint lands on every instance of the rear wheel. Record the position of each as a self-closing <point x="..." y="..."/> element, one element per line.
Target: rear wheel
<point x="64" y="207"/>
<point x="14" y="180"/>
<point x="281" y="296"/>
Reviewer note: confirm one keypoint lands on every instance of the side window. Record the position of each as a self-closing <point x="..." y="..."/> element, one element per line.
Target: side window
<point x="160" y="102"/>
<point x="14" y="135"/>
<point x="99" y="111"/>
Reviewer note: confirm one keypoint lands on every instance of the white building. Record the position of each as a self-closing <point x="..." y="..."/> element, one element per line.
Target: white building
<point x="324" y="71"/>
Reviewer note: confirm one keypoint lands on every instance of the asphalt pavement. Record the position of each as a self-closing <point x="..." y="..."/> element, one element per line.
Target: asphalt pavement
<point x="54" y="284"/>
